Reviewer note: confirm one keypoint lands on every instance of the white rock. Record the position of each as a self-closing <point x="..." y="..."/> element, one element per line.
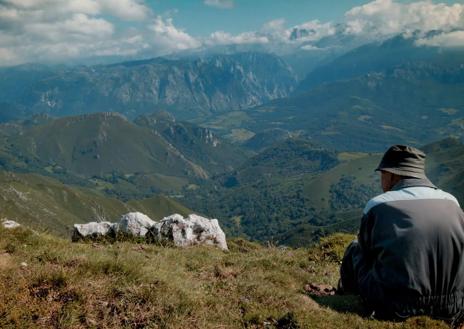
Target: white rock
<point x="91" y="230"/>
<point x="189" y="231"/>
<point x="23" y="264"/>
<point x="135" y="223"/>
<point x="10" y="224"/>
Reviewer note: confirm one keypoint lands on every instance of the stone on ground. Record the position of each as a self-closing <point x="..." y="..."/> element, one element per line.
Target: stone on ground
<point x="91" y="230"/>
<point x="135" y="223"/>
<point x="10" y="224"/>
<point x="189" y="231"/>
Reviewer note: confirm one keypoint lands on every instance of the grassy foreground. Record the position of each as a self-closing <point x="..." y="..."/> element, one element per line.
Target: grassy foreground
<point x="48" y="282"/>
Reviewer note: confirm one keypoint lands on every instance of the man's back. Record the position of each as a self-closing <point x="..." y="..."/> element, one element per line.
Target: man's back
<point x="408" y="259"/>
<point x="413" y="241"/>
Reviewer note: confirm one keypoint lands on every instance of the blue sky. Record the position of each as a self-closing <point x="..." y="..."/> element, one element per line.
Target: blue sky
<point x="64" y="31"/>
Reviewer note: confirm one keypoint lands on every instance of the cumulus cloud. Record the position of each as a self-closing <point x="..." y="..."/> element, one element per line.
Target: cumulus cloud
<point x="271" y="33"/>
<point x="169" y="37"/>
<point x="313" y="31"/>
<point x="58" y="30"/>
<point x="222" y="4"/>
<point x="388" y="17"/>
<point x="125" y="9"/>
<point x="378" y="19"/>
<point x="276" y="36"/>
<point x="224" y="38"/>
<point x="446" y="39"/>
<point x="79" y="26"/>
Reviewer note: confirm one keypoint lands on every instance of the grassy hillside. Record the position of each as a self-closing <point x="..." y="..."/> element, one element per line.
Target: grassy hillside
<point x="46" y="204"/>
<point x="123" y="158"/>
<point x="99" y="144"/>
<point x="444" y="164"/>
<point x="49" y="282"/>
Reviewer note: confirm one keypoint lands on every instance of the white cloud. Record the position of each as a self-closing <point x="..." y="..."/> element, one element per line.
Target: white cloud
<point x="275" y="30"/>
<point x="222" y="4"/>
<point x="388" y="17"/>
<point x="8" y="57"/>
<point x="378" y="19"/>
<point x="276" y="35"/>
<point x="125" y="9"/>
<point x="62" y="30"/>
<point x="313" y="30"/>
<point x="271" y="32"/>
<point x="447" y="39"/>
<point x="79" y="26"/>
<point x="224" y="38"/>
<point x="169" y="37"/>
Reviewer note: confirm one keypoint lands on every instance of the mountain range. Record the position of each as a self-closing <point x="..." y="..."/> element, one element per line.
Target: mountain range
<point x="187" y="87"/>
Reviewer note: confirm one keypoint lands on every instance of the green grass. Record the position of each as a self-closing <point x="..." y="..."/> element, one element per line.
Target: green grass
<point x="126" y="285"/>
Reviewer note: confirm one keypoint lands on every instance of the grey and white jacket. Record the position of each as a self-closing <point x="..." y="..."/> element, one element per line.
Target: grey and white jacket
<point x="412" y="243"/>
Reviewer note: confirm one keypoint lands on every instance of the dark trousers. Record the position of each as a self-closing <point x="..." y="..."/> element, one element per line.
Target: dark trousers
<point x="348" y="284"/>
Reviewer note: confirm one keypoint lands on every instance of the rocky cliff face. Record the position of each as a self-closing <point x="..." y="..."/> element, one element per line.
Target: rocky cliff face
<point x="187" y="87"/>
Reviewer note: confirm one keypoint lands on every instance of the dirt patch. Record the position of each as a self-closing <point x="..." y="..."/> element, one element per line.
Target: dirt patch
<point x="319" y="290"/>
<point x="5" y="261"/>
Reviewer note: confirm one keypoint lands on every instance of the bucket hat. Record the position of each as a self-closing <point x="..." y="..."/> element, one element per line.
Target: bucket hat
<point x="403" y="160"/>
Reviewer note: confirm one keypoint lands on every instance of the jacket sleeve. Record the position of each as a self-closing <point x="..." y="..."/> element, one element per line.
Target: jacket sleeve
<point x="364" y="263"/>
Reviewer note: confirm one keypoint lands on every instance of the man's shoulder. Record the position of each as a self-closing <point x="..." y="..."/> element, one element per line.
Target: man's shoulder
<point x="409" y="193"/>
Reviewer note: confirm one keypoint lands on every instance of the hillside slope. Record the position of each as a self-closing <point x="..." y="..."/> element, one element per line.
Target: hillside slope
<point x="291" y="187"/>
<point x="149" y="155"/>
<point x="445" y="165"/>
<point x="48" y="282"/>
<point x="48" y="205"/>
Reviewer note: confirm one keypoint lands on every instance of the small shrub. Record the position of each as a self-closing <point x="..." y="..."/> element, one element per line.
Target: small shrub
<point x="331" y="248"/>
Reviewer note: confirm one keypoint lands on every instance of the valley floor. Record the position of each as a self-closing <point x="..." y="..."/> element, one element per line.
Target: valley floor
<point x="48" y="282"/>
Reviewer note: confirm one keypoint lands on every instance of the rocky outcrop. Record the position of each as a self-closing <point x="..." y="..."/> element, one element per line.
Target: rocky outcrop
<point x="9" y="224"/>
<point x="92" y="230"/>
<point x="135" y="224"/>
<point x="189" y="231"/>
<point x="175" y="229"/>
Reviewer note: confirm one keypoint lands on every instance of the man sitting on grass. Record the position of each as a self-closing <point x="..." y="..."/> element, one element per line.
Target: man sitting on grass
<point x="408" y="259"/>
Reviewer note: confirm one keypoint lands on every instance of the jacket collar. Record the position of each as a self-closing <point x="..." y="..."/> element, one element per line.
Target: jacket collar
<point x="410" y="182"/>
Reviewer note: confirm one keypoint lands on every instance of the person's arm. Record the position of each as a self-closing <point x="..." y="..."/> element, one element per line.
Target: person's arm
<point x="364" y="262"/>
